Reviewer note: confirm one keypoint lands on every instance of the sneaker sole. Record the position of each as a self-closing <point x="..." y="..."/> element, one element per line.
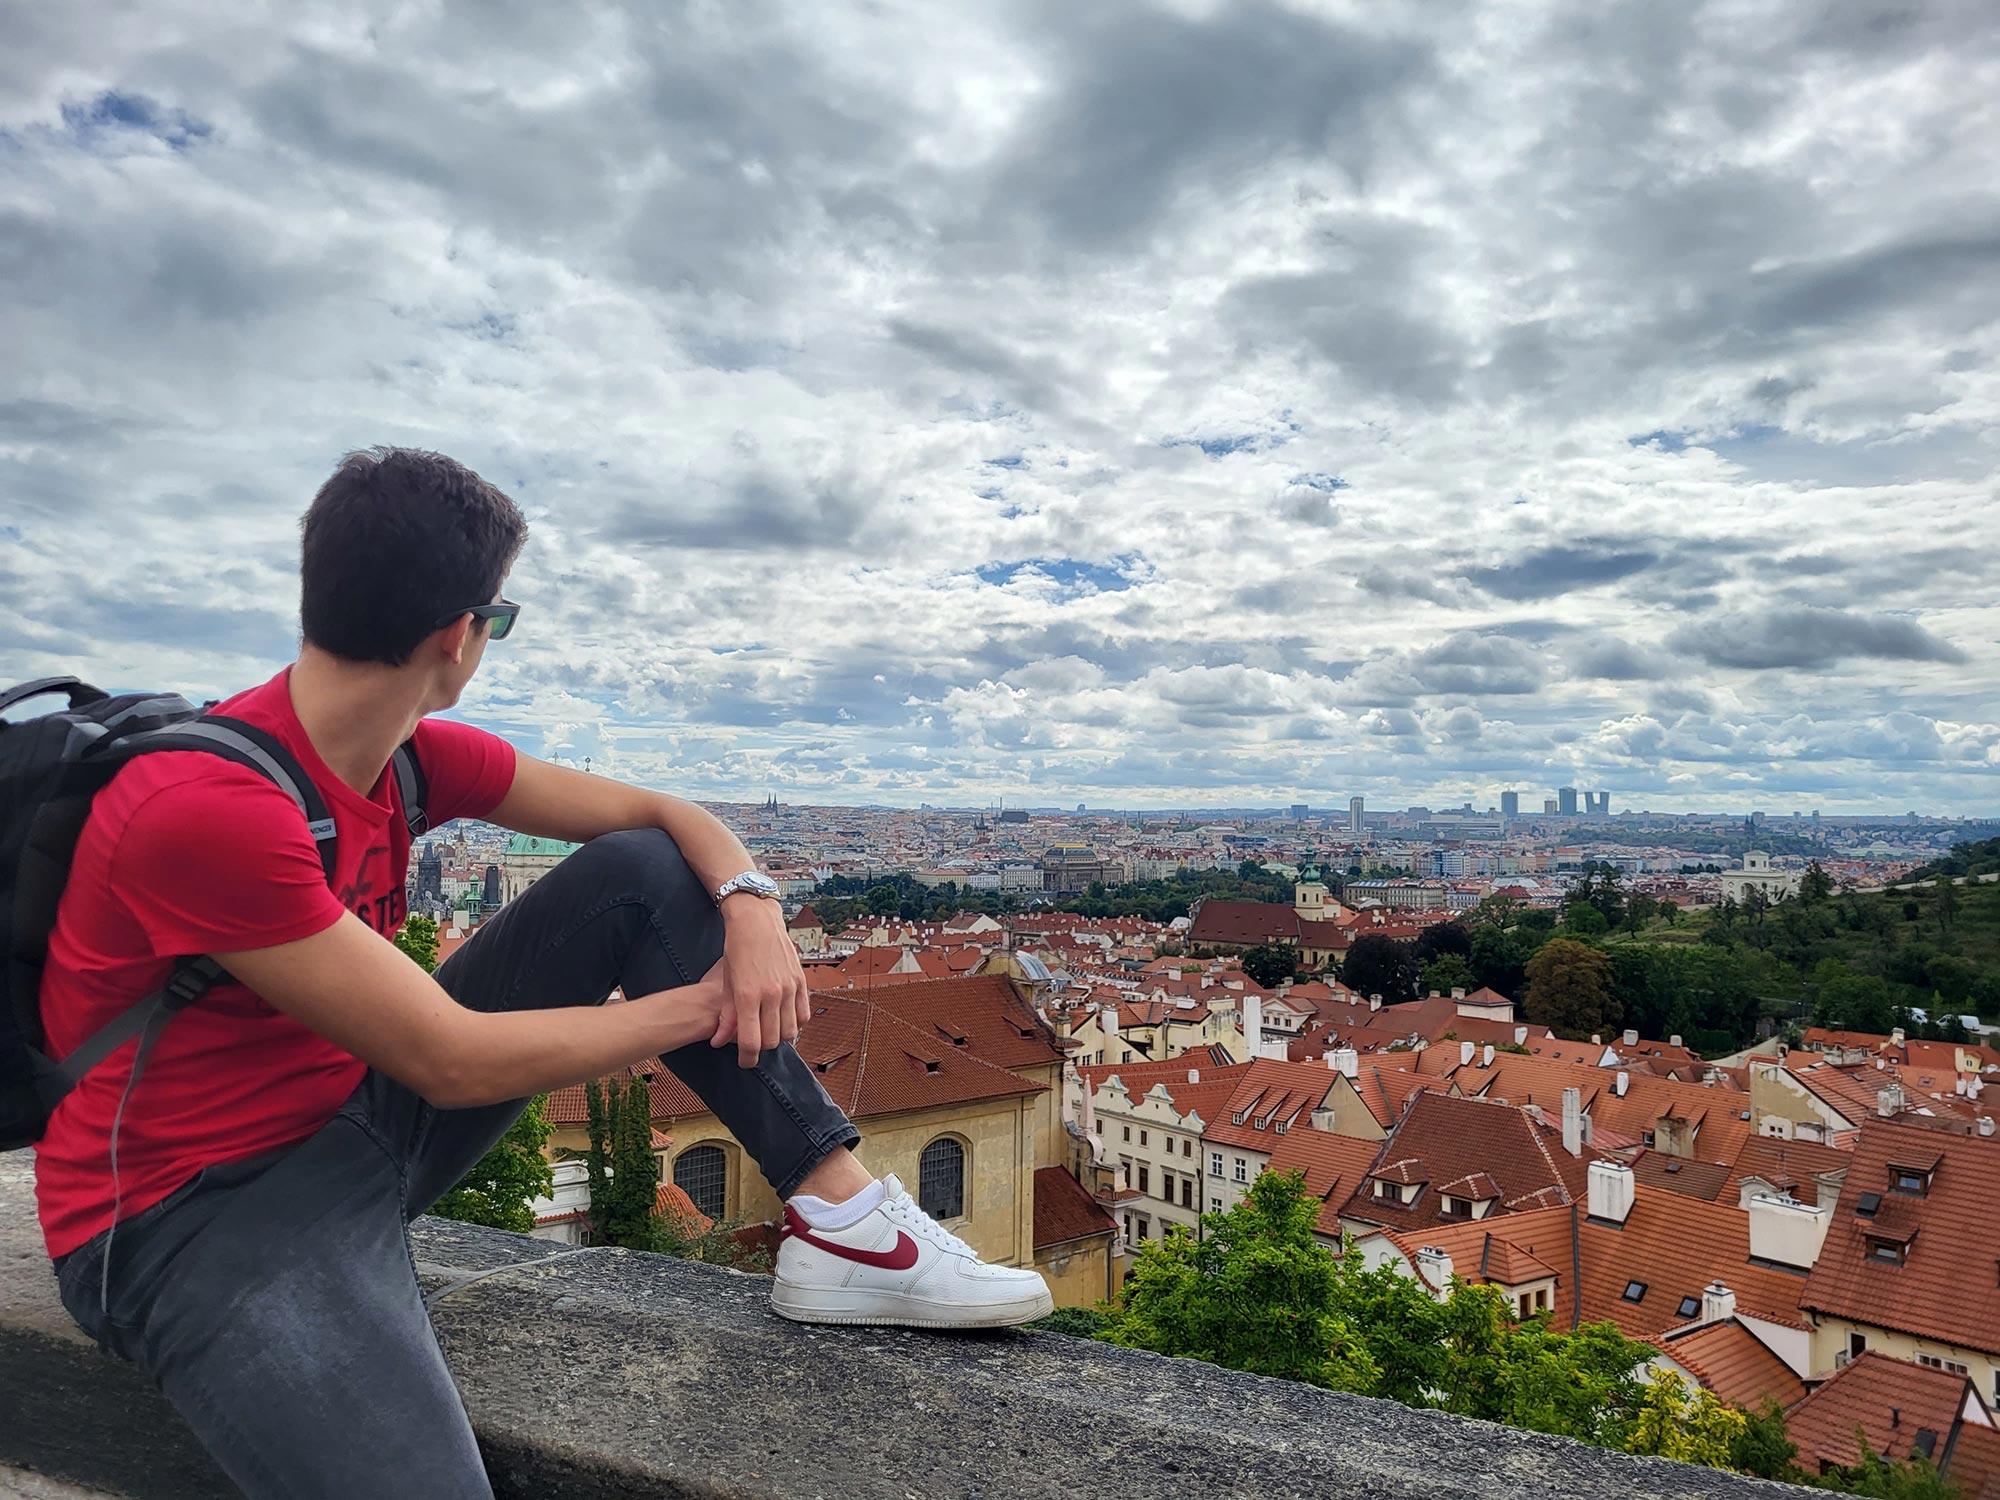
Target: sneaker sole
<point x="844" y="1305"/>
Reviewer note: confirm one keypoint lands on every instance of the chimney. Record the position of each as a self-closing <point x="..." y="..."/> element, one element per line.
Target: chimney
<point x="1458" y="992"/>
<point x="1107" y="1019"/>
<point x="1610" y="1191"/>
<point x="1718" y="1303"/>
<point x="1253" y="1026"/>
<point x="1573" y="1121"/>
<point x="1986" y="1125"/>
<point x="1621" y="1083"/>
<point x="1631" y="1037"/>
<point x="1486" y="1056"/>
<point x="1597" y="1039"/>
<point x="1896" y="1037"/>
<point x="1433" y="995"/>
<point x="1374" y="1002"/>
<point x="1889" y="1101"/>
<point x="1465" y="1052"/>
<point x="1347" y="1062"/>
<point x="1520" y="1036"/>
<point x="1434" y="1266"/>
<point x="1674" y="1040"/>
<point x="1194" y="1075"/>
<point x="1787" y="1232"/>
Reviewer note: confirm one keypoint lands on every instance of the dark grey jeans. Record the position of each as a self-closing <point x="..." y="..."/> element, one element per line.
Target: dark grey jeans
<point x="274" y="1300"/>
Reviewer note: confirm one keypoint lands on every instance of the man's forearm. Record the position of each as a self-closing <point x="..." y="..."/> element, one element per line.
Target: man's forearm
<point x="711" y="850"/>
<point x="508" y="1055"/>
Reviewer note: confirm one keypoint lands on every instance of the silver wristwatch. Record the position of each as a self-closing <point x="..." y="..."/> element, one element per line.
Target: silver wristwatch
<point x="749" y="880"/>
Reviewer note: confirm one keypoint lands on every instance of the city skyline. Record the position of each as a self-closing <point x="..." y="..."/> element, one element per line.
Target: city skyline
<point x="1161" y="404"/>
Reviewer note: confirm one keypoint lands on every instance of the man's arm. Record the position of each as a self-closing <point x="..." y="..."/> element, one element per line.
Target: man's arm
<point x="366" y="995"/>
<point x="767" y="997"/>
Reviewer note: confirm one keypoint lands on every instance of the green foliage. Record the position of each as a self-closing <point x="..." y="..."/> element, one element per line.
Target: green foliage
<point x="1762" y="1447"/>
<point x="1259" y="1292"/>
<point x="1689" y="1424"/>
<point x="1569" y="988"/>
<point x="1377" y="965"/>
<point x="1077" y="1322"/>
<point x="1912" y="1479"/>
<point x="624" y="1174"/>
<point x="1270" y="962"/>
<point x="1446" y="972"/>
<point x="418" y="937"/>
<point x="497" y="1189"/>
<point x="1982" y="858"/>
<point x="1815" y="886"/>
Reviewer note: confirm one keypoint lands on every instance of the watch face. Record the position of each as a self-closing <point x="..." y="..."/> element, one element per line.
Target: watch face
<point x="757" y="880"/>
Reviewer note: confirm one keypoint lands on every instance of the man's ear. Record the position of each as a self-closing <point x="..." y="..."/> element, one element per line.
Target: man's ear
<point x="454" y="638"/>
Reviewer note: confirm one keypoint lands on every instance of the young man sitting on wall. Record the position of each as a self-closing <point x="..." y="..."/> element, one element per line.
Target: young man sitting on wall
<point x="287" y="1126"/>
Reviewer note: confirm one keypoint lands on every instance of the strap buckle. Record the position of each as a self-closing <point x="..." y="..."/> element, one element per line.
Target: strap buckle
<point x="190" y="982"/>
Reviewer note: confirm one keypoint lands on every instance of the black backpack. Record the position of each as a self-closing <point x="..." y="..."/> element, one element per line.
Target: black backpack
<point x="50" y="768"/>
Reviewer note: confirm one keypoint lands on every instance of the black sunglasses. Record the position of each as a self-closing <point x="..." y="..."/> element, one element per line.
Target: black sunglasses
<point x="501" y="614"/>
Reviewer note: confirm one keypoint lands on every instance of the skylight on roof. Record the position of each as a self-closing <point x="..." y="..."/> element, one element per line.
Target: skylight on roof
<point x="1688" y="1308"/>
<point x="1869" y="1204"/>
<point x="1635" y="1291"/>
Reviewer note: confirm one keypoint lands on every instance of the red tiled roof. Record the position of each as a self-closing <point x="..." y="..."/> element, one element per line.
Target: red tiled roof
<point x="1266" y="1093"/>
<point x="1673" y="1174"/>
<point x="672" y="1202"/>
<point x="1064" y="1210"/>
<point x="1717" y="1114"/>
<point x="1734" y="1363"/>
<point x="1333" y="1166"/>
<point x="1891" y="1401"/>
<point x="1442" y="1139"/>
<point x="998" y="1025"/>
<point x="1945" y="1288"/>
<point x="1244" y="923"/>
<point x="1794" y="1166"/>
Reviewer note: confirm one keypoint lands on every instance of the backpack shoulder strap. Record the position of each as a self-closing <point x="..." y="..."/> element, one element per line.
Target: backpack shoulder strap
<point x="187" y="984"/>
<point x="414" y="785"/>
<point x="247" y="745"/>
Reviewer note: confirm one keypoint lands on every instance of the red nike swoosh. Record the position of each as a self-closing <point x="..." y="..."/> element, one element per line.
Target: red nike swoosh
<point x="899" y="1259"/>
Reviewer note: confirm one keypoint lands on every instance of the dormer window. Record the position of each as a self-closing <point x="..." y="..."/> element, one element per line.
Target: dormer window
<point x="1455" y="1208"/>
<point x="1384" y="1189"/>
<point x="1889" y="1252"/>
<point x="1909" y="1180"/>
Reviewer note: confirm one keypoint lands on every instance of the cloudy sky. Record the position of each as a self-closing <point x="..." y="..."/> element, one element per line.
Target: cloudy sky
<point x="1138" y="404"/>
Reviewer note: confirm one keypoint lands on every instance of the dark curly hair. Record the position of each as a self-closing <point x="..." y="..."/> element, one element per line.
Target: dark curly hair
<point x="396" y="539"/>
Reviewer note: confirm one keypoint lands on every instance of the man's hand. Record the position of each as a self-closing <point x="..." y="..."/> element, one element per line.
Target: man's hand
<point x="766" y="997"/>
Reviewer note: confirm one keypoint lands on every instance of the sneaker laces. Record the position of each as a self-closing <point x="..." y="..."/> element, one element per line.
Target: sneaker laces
<point x="905" y="1208"/>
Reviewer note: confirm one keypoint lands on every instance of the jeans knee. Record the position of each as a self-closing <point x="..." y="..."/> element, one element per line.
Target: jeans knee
<point x="639" y="858"/>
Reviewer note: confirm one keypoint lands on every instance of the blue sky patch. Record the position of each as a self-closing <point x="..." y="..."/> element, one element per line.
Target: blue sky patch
<point x="112" y="110"/>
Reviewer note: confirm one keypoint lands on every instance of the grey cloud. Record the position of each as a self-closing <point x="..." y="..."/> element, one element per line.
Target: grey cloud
<point x="1809" y="637"/>
<point x="1149" y="104"/>
<point x="1552" y="571"/>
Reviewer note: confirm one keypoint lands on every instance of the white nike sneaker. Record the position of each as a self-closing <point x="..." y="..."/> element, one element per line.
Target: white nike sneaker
<point x="897" y="1264"/>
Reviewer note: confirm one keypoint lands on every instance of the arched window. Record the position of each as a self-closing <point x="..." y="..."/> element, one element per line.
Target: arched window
<point x="941" y="1179"/>
<point x="702" y="1172"/>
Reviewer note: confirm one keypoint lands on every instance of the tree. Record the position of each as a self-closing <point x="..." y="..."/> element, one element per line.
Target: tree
<point x="624" y="1174"/>
<point x="1268" y="963"/>
<point x="1445" y="973"/>
<point x="1441" y="938"/>
<point x="1254" y="1293"/>
<point x="1690" y="1425"/>
<point x="497" y="1189"/>
<point x="1944" y="900"/>
<point x="1762" y="1447"/>
<point x="1913" y="1479"/>
<point x="1377" y="965"/>
<point x="1569" y="988"/>
<point x="1815" y="885"/>
<point x="418" y="937"/>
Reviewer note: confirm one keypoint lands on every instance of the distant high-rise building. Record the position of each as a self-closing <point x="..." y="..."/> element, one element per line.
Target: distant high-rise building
<point x="1354" y="815"/>
<point x="1299" y="811"/>
<point x="1566" y="800"/>
<point x="1548" y="804"/>
<point x="1510" y="804"/>
<point x="1597" y="804"/>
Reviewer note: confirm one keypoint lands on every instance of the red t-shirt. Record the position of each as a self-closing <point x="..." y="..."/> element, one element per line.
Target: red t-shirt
<point x="187" y="853"/>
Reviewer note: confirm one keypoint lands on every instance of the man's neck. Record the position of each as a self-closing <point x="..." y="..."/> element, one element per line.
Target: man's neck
<point x="355" y="713"/>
